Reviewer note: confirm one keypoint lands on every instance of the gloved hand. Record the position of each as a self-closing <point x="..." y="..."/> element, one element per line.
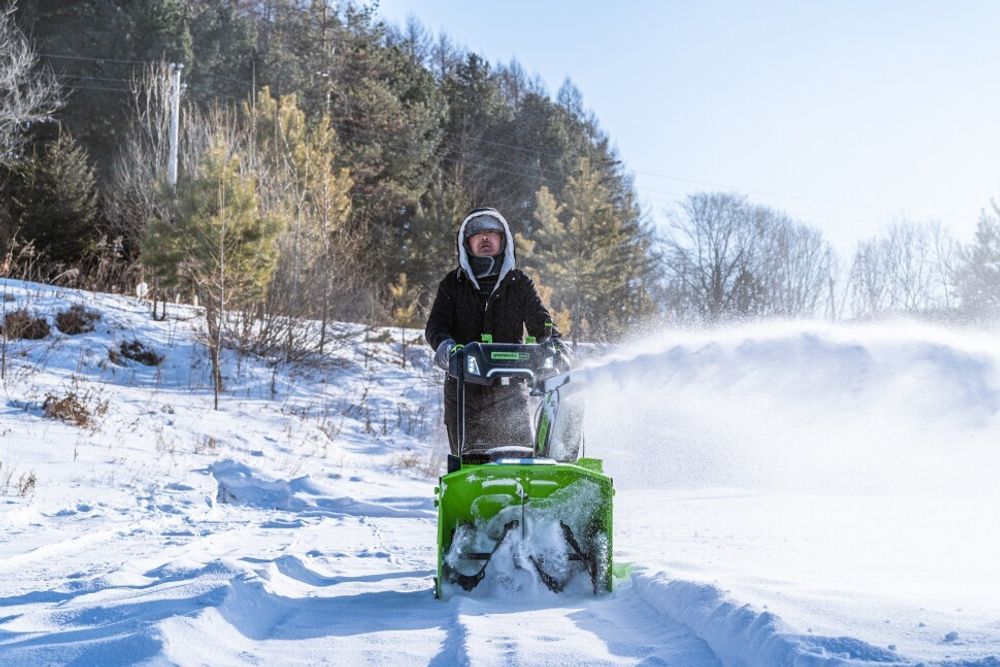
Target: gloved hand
<point x="564" y="355"/>
<point x="442" y="354"/>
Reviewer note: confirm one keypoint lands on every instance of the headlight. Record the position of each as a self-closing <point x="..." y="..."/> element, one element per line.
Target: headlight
<point x="471" y="366"/>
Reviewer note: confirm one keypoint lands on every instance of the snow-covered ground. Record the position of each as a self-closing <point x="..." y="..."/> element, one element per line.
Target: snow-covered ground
<point x="788" y="494"/>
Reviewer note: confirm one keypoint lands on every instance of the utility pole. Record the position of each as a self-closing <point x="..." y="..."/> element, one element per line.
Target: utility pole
<point x="175" y="120"/>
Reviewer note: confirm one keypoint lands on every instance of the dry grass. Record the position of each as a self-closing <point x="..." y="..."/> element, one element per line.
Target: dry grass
<point x="69" y="409"/>
<point x="205" y="444"/>
<point x="136" y="351"/>
<point x="22" y="324"/>
<point x="26" y="484"/>
<point x="77" y="319"/>
<point x="426" y="466"/>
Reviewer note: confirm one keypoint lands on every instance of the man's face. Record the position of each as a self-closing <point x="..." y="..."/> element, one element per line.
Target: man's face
<point x="485" y="244"/>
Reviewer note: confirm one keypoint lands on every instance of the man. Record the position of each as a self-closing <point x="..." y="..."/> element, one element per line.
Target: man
<point x="485" y="294"/>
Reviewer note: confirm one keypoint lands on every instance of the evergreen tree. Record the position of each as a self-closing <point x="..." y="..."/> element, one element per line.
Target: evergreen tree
<point x="219" y="238"/>
<point x="405" y="303"/>
<point x="405" y="310"/>
<point x="220" y="245"/>
<point x="979" y="275"/>
<point x="297" y="162"/>
<point x="53" y="200"/>
<point x="223" y="44"/>
<point x="388" y="113"/>
<point x="591" y="256"/>
<point x="434" y="225"/>
<point x="327" y="212"/>
<point x="475" y="109"/>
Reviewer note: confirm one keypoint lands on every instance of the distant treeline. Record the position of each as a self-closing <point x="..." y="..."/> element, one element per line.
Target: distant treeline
<point x="326" y="159"/>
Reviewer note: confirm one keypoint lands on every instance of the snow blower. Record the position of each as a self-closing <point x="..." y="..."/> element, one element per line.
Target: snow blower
<point x="539" y="506"/>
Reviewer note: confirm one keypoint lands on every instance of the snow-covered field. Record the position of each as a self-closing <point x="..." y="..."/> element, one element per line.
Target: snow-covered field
<point x="789" y="494"/>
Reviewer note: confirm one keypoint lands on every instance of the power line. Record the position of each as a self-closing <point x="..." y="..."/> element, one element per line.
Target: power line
<point x="774" y="194"/>
<point x="98" y="60"/>
<point x="523" y="149"/>
<point x="113" y="90"/>
<point x="91" y="78"/>
<point x="540" y="152"/>
<point x="227" y="78"/>
<point x="138" y="62"/>
<point x="498" y="165"/>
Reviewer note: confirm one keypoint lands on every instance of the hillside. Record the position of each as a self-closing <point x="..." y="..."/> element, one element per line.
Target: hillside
<point x="787" y="494"/>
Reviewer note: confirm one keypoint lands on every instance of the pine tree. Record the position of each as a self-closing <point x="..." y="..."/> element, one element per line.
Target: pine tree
<point x="223" y="46"/>
<point x="53" y="200"/>
<point x="405" y="302"/>
<point x="588" y="253"/>
<point x="431" y="244"/>
<point x="219" y="246"/>
<point x="979" y="276"/>
<point x="297" y="161"/>
<point x="388" y="114"/>
<point x="405" y="310"/>
<point x="327" y="212"/>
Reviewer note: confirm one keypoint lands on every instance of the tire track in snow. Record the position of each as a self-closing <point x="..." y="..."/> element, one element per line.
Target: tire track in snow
<point x="616" y="629"/>
<point x="61" y="547"/>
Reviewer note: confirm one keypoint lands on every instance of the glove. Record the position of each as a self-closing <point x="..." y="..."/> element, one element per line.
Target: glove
<point x="563" y="353"/>
<point x="442" y="355"/>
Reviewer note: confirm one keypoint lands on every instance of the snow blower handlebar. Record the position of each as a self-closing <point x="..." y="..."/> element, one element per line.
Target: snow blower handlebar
<point x="492" y="363"/>
<point x="488" y="363"/>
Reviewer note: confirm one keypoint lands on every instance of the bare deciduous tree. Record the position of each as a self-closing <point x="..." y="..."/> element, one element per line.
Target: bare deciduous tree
<point x="28" y="93"/>
<point x="708" y="248"/>
<point x="728" y="258"/>
<point x="909" y="270"/>
<point x="141" y="162"/>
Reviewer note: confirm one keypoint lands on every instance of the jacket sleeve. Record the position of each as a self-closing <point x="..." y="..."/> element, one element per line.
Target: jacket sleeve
<point x="441" y="320"/>
<point x="535" y="312"/>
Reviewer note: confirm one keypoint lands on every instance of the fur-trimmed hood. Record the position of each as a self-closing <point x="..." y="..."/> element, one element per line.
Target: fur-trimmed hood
<point x="509" y="256"/>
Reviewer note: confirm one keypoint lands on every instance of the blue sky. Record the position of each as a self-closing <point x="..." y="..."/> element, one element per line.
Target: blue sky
<point x="847" y="115"/>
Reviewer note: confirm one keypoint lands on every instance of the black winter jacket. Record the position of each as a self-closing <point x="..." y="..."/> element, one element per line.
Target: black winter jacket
<point x="463" y="312"/>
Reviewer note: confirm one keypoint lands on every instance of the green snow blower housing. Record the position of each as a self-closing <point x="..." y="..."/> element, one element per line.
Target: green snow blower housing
<point x="538" y="506"/>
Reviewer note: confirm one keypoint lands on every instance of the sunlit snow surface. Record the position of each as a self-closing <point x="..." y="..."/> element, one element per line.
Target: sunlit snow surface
<point x="796" y="494"/>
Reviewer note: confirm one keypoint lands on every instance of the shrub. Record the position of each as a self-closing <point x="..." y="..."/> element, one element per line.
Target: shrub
<point x="26" y="484"/>
<point x="381" y="337"/>
<point x="77" y="320"/>
<point x="428" y="466"/>
<point x="136" y="351"/>
<point x="68" y="409"/>
<point x="22" y="324"/>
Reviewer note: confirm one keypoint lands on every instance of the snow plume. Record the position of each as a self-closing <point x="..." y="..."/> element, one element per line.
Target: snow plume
<point x="801" y="407"/>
